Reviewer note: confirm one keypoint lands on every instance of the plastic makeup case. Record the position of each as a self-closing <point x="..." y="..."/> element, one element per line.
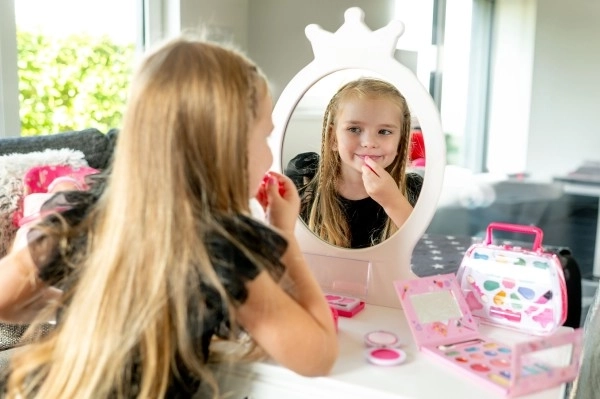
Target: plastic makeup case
<point x="509" y="286"/>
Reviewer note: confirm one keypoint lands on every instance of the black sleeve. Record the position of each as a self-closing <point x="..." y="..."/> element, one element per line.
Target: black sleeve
<point x="414" y="183"/>
<point x="234" y="266"/>
<point x="302" y="168"/>
<point x="44" y="239"/>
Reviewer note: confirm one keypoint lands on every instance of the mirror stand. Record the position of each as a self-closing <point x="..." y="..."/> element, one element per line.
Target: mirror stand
<point x="355" y="46"/>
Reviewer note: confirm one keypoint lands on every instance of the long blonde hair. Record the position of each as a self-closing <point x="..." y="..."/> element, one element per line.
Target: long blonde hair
<point x="326" y="215"/>
<point x="179" y="168"/>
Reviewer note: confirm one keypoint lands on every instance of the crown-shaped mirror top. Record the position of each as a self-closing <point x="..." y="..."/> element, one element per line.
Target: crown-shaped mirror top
<point x="354" y="35"/>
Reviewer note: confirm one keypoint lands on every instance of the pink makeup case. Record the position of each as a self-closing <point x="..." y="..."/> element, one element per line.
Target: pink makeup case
<point x="444" y="328"/>
<point x="514" y="287"/>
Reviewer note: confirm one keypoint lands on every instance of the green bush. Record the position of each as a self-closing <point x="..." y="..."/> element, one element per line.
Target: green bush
<point x="71" y="83"/>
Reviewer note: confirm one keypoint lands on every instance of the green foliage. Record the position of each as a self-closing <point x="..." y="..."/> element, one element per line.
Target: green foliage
<point x="453" y="149"/>
<point x="71" y="83"/>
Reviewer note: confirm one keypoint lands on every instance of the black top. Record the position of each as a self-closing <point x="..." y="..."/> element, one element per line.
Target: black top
<point x="232" y="266"/>
<point x="366" y="218"/>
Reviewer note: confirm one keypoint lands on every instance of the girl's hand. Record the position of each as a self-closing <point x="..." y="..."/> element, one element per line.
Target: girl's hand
<point x="282" y="203"/>
<point x="379" y="184"/>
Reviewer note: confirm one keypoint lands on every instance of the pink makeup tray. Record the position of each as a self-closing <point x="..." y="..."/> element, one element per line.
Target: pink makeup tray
<point x="346" y="306"/>
<point x="444" y="328"/>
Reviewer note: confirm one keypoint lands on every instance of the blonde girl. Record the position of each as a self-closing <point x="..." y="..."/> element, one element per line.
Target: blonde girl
<point x="357" y="192"/>
<point x="164" y="256"/>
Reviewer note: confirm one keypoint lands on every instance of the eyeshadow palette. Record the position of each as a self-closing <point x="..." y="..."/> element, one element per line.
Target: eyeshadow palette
<point x="346" y="306"/>
<point x="443" y="327"/>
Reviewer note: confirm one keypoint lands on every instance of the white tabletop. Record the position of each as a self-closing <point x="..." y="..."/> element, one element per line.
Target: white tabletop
<point x="353" y="377"/>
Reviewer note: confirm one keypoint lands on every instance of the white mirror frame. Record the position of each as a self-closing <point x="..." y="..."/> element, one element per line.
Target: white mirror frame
<point x="355" y="46"/>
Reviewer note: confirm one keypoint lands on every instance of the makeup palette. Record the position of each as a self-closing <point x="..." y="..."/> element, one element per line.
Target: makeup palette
<point x="381" y="339"/>
<point x="382" y="348"/>
<point x="444" y="328"/>
<point x="346" y="306"/>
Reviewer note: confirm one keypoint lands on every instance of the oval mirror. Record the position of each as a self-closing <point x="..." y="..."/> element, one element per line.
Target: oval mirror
<point x="303" y="148"/>
<point x="354" y="46"/>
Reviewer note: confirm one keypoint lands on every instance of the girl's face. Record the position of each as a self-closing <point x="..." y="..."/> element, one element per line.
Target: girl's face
<point x="366" y="127"/>
<point x="260" y="157"/>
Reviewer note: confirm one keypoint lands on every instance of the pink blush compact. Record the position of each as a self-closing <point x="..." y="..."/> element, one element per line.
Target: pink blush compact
<point x="381" y="339"/>
<point x="382" y="351"/>
<point x="386" y="356"/>
<point x="345" y="305"/>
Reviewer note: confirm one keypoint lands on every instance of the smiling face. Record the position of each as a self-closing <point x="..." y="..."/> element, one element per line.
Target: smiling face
<point x="366" y="127"/>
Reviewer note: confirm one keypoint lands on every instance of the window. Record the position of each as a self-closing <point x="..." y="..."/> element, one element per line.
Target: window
<point x="74" y="62"/>
<point x="451" y="41"/>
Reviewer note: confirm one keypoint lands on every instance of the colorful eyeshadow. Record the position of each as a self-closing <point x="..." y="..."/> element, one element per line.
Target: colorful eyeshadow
<point x="500" y="363"/>
<point x="491" y="353"/>
<point x="499" y="379"/>
<point x="499" y="298"/>
<point x="508" y="283"/>
<point x="526" y="293"/>
<point x="480" y="367"/>
<point x="461" y="360"/>
<point x="520" y="262"/>
<point x="490" y="285"/>
<point x="540" y="265"/>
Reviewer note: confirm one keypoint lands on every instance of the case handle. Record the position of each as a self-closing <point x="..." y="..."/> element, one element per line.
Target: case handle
<point x="516" y="228"/>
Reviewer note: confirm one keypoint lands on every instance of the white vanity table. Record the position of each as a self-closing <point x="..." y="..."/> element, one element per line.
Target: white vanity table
<point x="356" y="47"/>
<point x="353" y="377"/>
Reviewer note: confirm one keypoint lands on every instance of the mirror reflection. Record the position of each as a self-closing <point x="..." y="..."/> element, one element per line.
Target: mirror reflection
<point x="358" y="176"/>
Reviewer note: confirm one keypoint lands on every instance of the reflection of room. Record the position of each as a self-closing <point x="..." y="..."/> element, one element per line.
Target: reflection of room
<point x="259" y="26"/>
<point x="535" y="112"/>
<point x="538" y="116"/>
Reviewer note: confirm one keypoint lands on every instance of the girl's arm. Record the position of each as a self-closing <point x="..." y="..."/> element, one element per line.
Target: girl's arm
<point x="296" y="330"/>
<point x="22" y="293"/>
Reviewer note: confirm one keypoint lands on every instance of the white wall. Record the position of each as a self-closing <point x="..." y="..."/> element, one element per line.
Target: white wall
<point x="272" y="31"/>
<point x="278" y="44"/>
<point x="510" y="85"/>
<point x="224" y="20"/>
<point x="564" y="125"/>
<point x="276" y="31"/>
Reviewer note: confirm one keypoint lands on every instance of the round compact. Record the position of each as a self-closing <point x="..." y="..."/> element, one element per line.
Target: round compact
<point x="386" y="356"/>
<point x="381" y="339"/>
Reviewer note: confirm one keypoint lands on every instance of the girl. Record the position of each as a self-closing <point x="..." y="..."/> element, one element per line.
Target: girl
<point x="359" y="193"/>
<point x="162" y="256"/>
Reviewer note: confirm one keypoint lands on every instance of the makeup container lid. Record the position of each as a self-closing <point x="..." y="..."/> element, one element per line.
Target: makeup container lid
<point x="381" y="339"/>
<point x="386" y="356"/>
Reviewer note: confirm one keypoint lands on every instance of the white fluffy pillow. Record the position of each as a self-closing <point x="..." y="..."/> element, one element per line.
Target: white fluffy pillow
<point x="12" y="170"/>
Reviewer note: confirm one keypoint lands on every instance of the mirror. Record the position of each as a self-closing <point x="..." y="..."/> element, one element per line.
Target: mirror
<point x="376" y="129"/>
<point x="355" y="46"/>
